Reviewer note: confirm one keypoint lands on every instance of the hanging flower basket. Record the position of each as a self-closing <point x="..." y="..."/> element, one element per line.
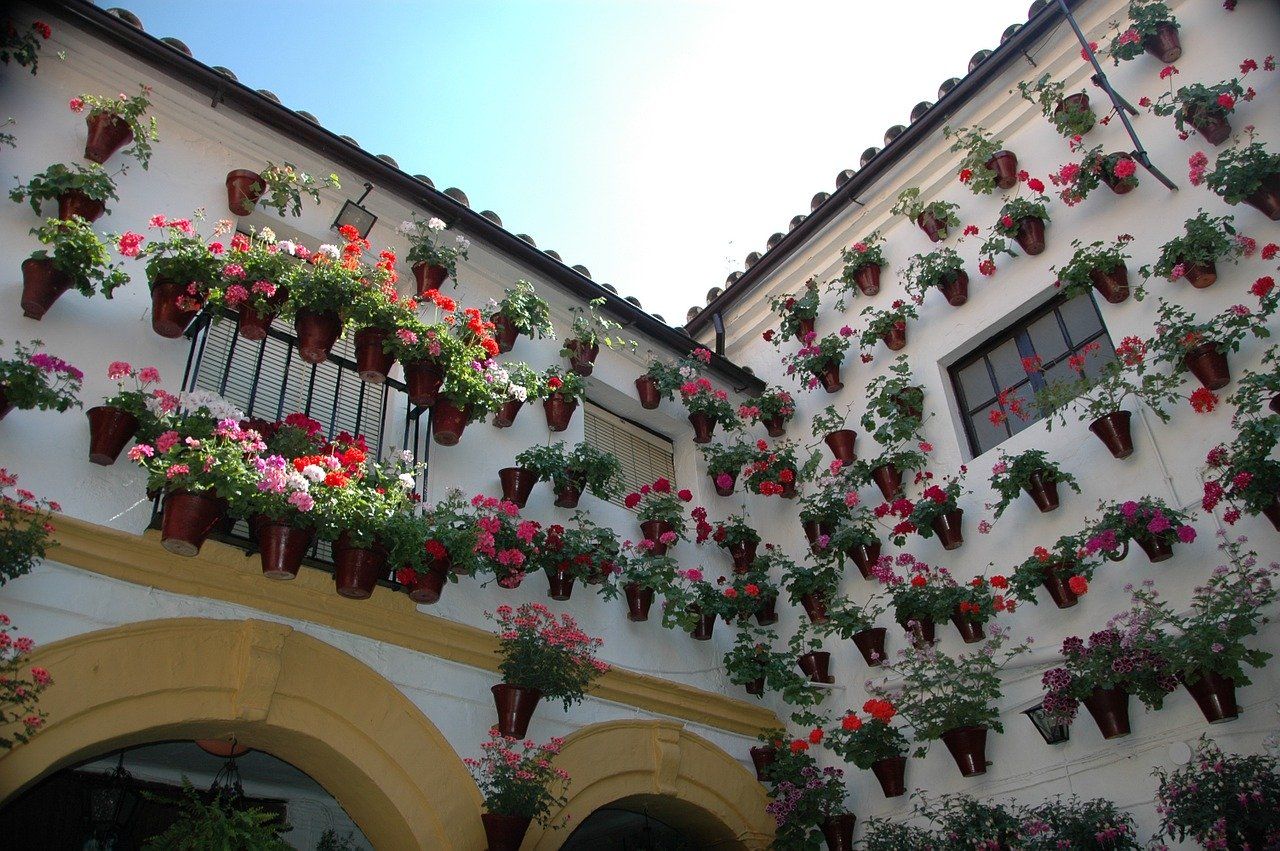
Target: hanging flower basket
<point x="956" y="288"/>
<point x="970" y="630"/>
<point x="559" y="581"/>
<point x="921" y="630"/>
<point x="653" y="531"/>
<point x="868" y="278"/>
<point x="109" y="430"/>
<point x="426" y="588"/>
<point x="830" y="377"/>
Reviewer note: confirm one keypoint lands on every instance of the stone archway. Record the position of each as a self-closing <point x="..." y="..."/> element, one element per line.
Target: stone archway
<point x="672" y="773"/>
<point x="271" y="687"/>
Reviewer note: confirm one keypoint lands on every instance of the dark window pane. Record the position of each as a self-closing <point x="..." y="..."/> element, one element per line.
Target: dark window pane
<point x="976" y="383"/>
<point x="1007" y="363"/>
<point x="986" y="434"/>
<point x="1046" y="338"/>
<point x="1081" y="318"/>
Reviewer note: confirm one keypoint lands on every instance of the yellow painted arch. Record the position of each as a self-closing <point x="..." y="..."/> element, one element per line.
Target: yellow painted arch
<point x="272" y="688"/>
<point x="676" y="776"/>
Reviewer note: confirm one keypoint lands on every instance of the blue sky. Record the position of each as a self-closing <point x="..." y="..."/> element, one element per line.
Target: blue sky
<point x="657" y="142"/>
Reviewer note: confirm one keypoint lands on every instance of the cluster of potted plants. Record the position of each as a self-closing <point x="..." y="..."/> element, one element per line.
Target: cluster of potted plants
<point x="1220" y="800"/>
<point x="36" y="380"/>
<point x="808" y="803"/>
<point x="570" y="471"/>
<point x="928" y="595"/>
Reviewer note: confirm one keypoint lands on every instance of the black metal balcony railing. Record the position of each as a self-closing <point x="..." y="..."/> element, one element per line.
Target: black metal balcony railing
<point x="267" y="379"/>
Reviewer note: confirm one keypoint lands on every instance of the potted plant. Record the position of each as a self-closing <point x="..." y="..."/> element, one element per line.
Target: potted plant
<point x="934" y="218"/>
<point x="79" y="259"/>
<point x="753" y="594"/>
<point x="520" y="311"/>
<point x="1064" y="572"/>
<point x="754" y="664"/>
<point x="888" y="468"/>
<point x="219" y="820"/>
<point x="774" y="408"/>
<point x="507" y="546"/>
<point x="1244" y="473"/>
<point x="561" y="391"/>
<point x="895" y="405"/>
<point x="1195" y="255"/>
<point x="1118" y="170"/>
<point x="582" y="551"/>
<point x="542" y="656"/>
<point x="434" y="547"/>
<point x="23" y="46"/>
<point x="515" y="384"/>
<point x="375" y="318"/>
<point x="986" y="165"/>
<point x="432" y="259"/>
<point x="951" y="698"/>
<point x="857" y="537"/>
<point x="589" y="329"/>
<point x="887" y="325"/>
<point x="1152" y="28"/>
<point x="811" y="585"/>
<point x="1099" y="265"/>
<point x="738" y="537"/>
<point x="772" y="471"/>
<point x="282" y="186"/>
<point x="937" y="511"/>
<point x="920" y="602"/>
<point x="1070" y="114"/>
<point x="862" y="264"/>
<point x="707" y="407"/>
<point x="586" y="468"/>
<point x="796" y="314"/>
<point x="965" y="822"/>
<point x="1091" y="825"/>
<point x="122" y="414"/>
<point x="532" y="464"/>
<point x="114" y="122"/>
<point x="520" y="784"/>
<point x="251" y="282"/>
<point x="830" y="426"/>
<point x="660" y="510"/>
<point x="26" y="535"/>
<point x="810" y="809"/>
<point x="692" y="604"/>
<point x="1022" y="220"/>
<point x="1205" y="108"/>
<point x="818" y="361"/>
<point x="180" y="269"/>
<point x="1247" y="173"/>
<point x="79" y="190"/>
<point x="660" y="380"/>
<point x="1149" y="521"/>
<point x="1201" y="347"/>
<point x="833" y="498"/>
<point x="1103" y="673"/>
<point x="1030" y="471"/>
<point x="20" y="688"/>
<point x="857" y="622"/>
<point x="942" y="270"/>
<point x="641" y="573"/>
<point x="1256" y="390"/>
<point x="872" y="743"/>
<point x="1220" y="800"/>
<point x="36" y="380"/>
<point x="725" y="461"/>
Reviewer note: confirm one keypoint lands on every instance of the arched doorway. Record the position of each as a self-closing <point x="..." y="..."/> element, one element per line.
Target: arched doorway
<point x="271" y="688"/>
<point x="690" y="790"/>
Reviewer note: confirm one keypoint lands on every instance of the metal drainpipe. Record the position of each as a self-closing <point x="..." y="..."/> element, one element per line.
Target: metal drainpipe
<point x="718" y="322"/>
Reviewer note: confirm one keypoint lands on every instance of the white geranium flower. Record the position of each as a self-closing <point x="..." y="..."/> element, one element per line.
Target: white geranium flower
<point x="518" y="393"/>
<point x="288" y="246"/>
<point x="329" y="250"/>
<point x="406" y="228"/>
<point x="435" y="224"/>
<point x="406" y="457"/>
<point x="314" y="473"/>
<point x="464" y="243"/>
<point x="406" y="481"/>
<point x="267" y="235"/>
<point x="298" y="482"/>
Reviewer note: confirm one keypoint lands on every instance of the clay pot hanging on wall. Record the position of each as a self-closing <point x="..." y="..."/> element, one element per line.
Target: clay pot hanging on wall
<point x="1005" y="165"/>
<point x="647" y="390"/>
<point x="653" y="531"/>
<point x="428" y="277"/>
<point x="426" y="588"/>
<point x="838" y="831"/>
<point x="187" y="520"/>
<point x="281" y="547"/>
<point x="168" y="319"/>
<point x="1215" y="695"/>
<point x="422" y="380"/>
<point x="1043" y="490"/>
<point x="891" y="772"/>
<point x="1209" y="366"/>
<point x="639" y="600"/>
<point x="870" y="643"/>
<point x="504" y="333"/>
<point x="889" y="479"/>
<point x="815" y="606"/>
<point x="109" y="430"/>
<point x="1110" y="710"/>
<point x="559" y="411"/>
<point x="317" y="331"/>
<point x="968" y="746"/>
<point x="1266" y="198"/>
<point x="1200" y="275"/>
<point x="244" y="188"/>
<point x="372" y="362"/>
<point x="865" y="557"/>
<point x="506" y="415"/>
<point x="1059" y="591"/>
<point x="515" y="705"/>
<point x="816" y="665"/>
<point x="762" y="757"/>
<point x="73" y="202"/>
<point x="1164" y="44"/>
<point x="703" y="425"/>
<point x="841" y="444"/>
<point x="1114" y="431"/>
<point x="921" y="631"/>
<point x="517" y="484"/>
<point x="504" y="833"/>
<point x="356" y="570"/>
<point x="42" y="285"/>
<point x="948" y="529"/>
<point x="582" y="358"/>
<point x="933" y="227"/>
<point x="956" y="288"/>
<point x="1030" y="235"/>
<point x="895" y="339"/>
<point x="448" y="421"/>
<point x="868" y="278"/>
<point x="107" y="134"/>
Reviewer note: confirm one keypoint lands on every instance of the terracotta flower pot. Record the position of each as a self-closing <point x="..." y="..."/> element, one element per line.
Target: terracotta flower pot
<point x="317" y="331"/>
<point x="107" y="134"/>
<point x="891" y="772"/>
<point x="1078" y="102"/>
<point x="188" y="519"/>
<point x="840" y="443"/>
<point x="73" y="202"/>
<point x="970" y="631"/>
<point x="356" y="571"/>
<point x="1209" y="366"/>
<point x="1043" y="490"/>
<point x="427" y="588"/>
<point x="838" y="831"/>
<point x="653" y="531"/>
<point x="1215" y="129"/>
<point x="1119" y="185"/>
<point x="5" y="405"/>
<point x="895" y="339"/>
<point x="281" y="546"/>
<point x="448" y="421"/>
<point x="789" y="489"/>
<point x="830" y="378"/>
<point x="956" y="288"/>
<point x="109" y="430"/>
<point x="1061" y="594"/>
<point x="813" y="530"/>
<point x="1110" y="709"/>
<point x="647" y="390"/>
<point x="559" y="581"/>
<point x="933" y="228"/>
<point x="703" y="425"/>
<point x="1215" y="695"/>
<point x="948" y="529"/>
<point x="244" y="188"/>
<point x="638" y="601"/>
<point x="868" y="278"/>
<point x="968" y="746"/>
<point x="805" y="328"/>
<point x="1005" y="165"/>
<point x="1200" y="275"/>
<point x="775" y="426"/>
<point x="429" y="277"/>
<point x="922" y="631"/>
<point x="506" y="415"/>
<point x="1164" y="44"/>
<point x="743" y="555"/>
<point x="870" y="643"/>
<point x="167" y="318"/>
<point x="1112" y="285"/>
<point x="504" y="833"/>
<point x="559" y="410"/>
<point x="515" y="705"/>
<point x="1271" y="511"/>
<point x="768" y="612"/>
<point x="815" y="606"/>
<point x="568" y="496"/>
<point x="253" y="325"/>
<point x="755" y="687"/>
<point x="372" y="362"/>
<point x="1114" y="431"/>
<point x="1266" y="198"/>
<point x="762" y="757"/>
<point x="816" y="665"/>
<point x="703" y="626"/>
<point x="504" y="333"/>
<point x="42" y="285"/>
<point x="889" y="479"/>
<point x="423" y="380"/>
<point x="865" y="557"/>
<point x="517" y="484"/>
<point x="582" y="359"/>
<point x="1030" y="235"/>
<point x="1157" y="549"/>
<point x="724" y="490"/>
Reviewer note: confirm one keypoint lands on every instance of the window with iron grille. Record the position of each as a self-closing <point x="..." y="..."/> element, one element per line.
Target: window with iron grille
<point x="644" y="456"/>
<point x="1053" y="333"/>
